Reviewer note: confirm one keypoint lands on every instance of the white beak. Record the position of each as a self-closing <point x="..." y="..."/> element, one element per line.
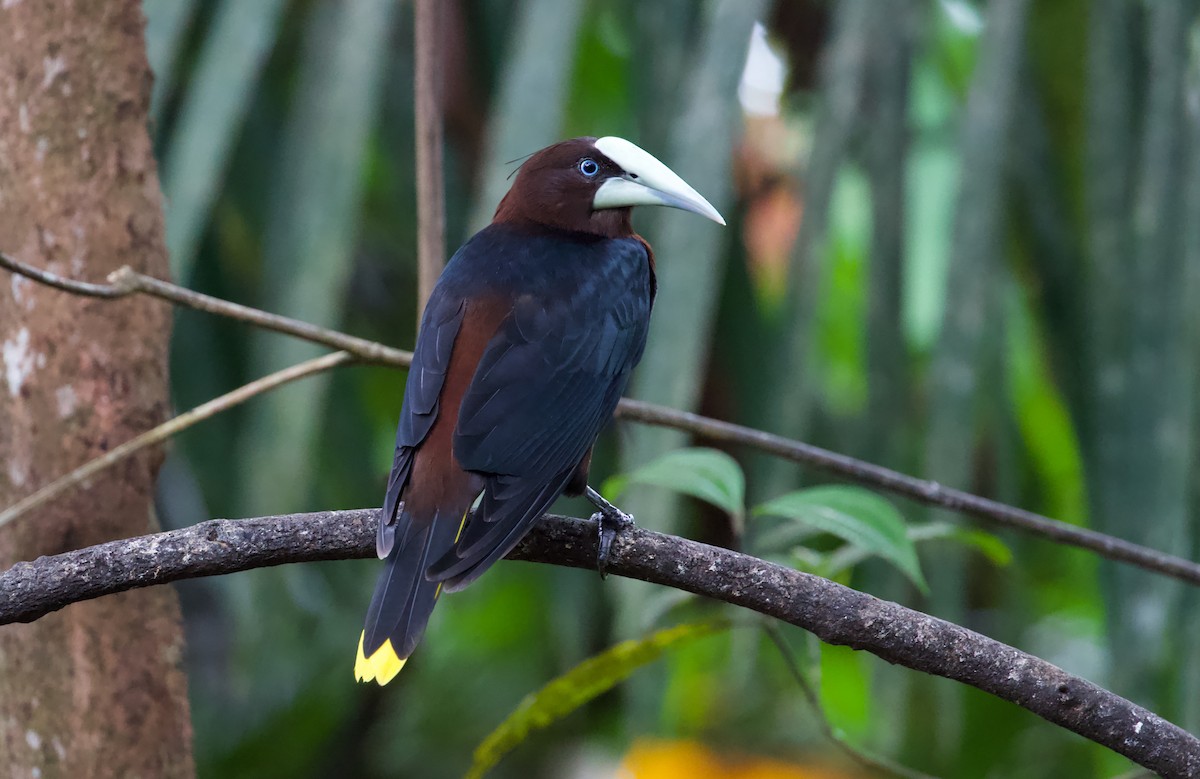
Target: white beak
<point x="647" y="182"/>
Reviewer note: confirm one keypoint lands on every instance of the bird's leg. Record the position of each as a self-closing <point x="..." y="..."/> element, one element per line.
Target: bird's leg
<point x="610" y="521"/>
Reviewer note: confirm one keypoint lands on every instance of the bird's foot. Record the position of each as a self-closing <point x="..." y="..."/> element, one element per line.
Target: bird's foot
<point x="610" y="521"/>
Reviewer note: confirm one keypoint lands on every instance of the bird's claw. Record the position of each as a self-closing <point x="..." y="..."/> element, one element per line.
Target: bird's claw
<point x="609" y="523"/>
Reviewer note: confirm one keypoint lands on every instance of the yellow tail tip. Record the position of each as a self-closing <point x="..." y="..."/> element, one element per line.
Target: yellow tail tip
<point x="382" y="666"/>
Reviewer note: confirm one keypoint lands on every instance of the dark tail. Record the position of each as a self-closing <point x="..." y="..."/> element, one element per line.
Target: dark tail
<point x="404" y="598"/>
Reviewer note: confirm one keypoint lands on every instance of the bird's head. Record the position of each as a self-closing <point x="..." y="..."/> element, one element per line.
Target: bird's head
<point x="589" y="185"/>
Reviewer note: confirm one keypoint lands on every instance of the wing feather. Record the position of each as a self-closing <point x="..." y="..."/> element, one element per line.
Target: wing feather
<point x="426" y="376"/>
<point x="546" y="384"/>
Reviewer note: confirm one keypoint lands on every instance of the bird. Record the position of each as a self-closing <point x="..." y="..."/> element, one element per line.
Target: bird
<point x="525" y="346"/>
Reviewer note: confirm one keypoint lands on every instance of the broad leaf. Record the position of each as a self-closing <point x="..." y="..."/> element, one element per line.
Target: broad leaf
<point x="988" y="545"/>
<point x="568" y="692"/>
<point x="782" y="537"/>
<point x="858" y="517"/>
<point x="710" y="475"/>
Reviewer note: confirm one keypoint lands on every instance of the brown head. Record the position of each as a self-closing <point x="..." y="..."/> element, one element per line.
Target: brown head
<point x="589" y="185"/>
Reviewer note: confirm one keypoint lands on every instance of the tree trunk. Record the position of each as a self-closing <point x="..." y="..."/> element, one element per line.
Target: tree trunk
<point x="96" y="689"/>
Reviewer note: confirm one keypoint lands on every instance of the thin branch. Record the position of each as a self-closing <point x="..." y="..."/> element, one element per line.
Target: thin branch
<point x="83" y="288"/>
<point x="126" y="281"/>
<point x="923" y="491"/>
<point x="814" y="702"/>
<point x="431" y="205"/>
<point x="171" y="427"/>
<point x="835" y="614"/>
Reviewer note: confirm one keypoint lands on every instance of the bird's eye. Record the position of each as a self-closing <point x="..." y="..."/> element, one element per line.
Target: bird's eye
<point x="588" y="167"/>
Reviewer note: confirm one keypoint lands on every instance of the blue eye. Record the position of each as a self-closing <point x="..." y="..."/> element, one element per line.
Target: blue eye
<point x="588" y="167"/>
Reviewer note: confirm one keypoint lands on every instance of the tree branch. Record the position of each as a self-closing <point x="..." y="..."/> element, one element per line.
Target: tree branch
<point x="835" y="614"/>
<point x="127" y="281"/>
<point x="923" y="491"/>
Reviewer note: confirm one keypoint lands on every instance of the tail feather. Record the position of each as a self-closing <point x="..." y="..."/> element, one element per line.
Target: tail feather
<point x="404" y="598"/>
<point x="497" y="527"/>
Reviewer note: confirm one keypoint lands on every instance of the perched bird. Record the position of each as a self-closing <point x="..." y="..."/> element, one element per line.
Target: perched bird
<point x="524" y="349"/>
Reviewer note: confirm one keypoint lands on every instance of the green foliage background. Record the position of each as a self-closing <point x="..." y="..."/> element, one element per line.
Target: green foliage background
<point x="995" y="285"/>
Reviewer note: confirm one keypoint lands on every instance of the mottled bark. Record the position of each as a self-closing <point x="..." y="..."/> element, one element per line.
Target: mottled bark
<point x="97" y="689"/>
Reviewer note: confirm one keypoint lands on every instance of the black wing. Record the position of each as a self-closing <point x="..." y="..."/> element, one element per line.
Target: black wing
<point x="431" y="358"/>
<point x="546" y="385"/>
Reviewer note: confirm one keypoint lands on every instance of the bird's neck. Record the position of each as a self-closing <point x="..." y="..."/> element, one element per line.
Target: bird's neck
<point x="605" y="223"/>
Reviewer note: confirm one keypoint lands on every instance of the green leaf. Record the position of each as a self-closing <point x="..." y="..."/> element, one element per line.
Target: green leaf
<point x="846" y="693"/>
<point x="858" y="517"/>
<point x="780" y="538"/>
<point x="710" y="475"/>
<point x="812" y="561"/>
<point x="568" y="692"/>
<point x="988" y="545"/>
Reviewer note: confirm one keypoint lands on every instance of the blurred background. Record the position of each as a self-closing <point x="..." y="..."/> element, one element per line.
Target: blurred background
<point x="963" y="242"/>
